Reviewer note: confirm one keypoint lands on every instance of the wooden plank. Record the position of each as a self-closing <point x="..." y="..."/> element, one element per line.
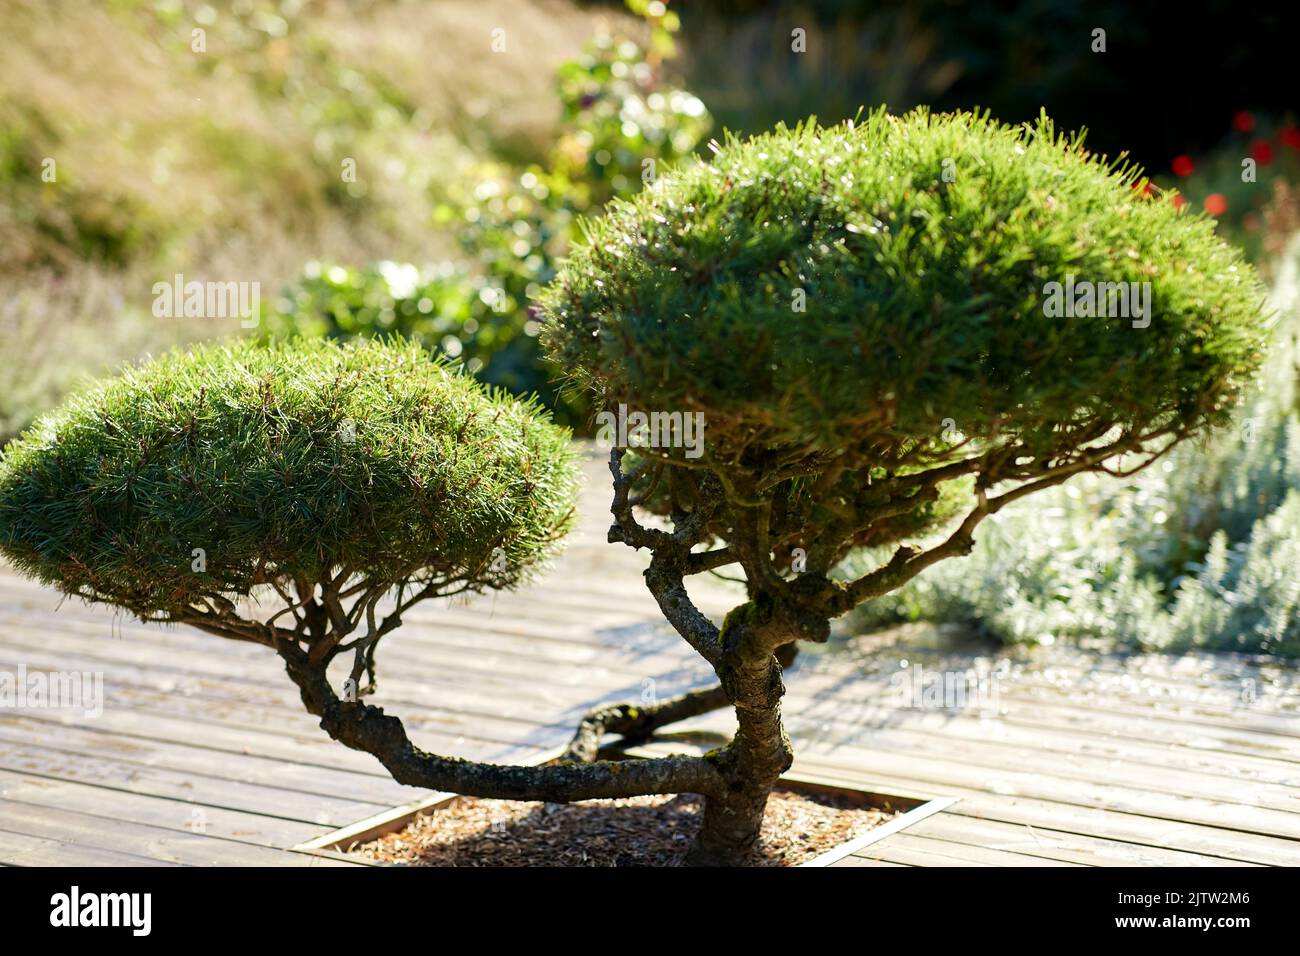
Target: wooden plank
<point x="954" y="770"/>
<point x="906" y="844"/>
<point x="844" y="714"/>
<point x="1191" y="674"/>
<point x="542" y="739"/>
<point x="216" y="725"/>
<point x="855" y="689"/>
<point x="438" y="705"/>
<point x="1256" y="717"/>
<point x="501" y="696"/>
<point x="904" y="821"/>
<point x="154" y="843"/>
<point x="993" y="759"/>
<point x="162" y="812"/>
<point x="470" y="707"/>
<point x="1058" y="845"/>
<point x="464" y="724"/>
<point x="1102" y="822"/>
<point x="545" y="740"/>
<point x="202" y="764"/>
<point x="319" y="757"/>
<point x="1228" y="740"/>
<point x="863" y="861"/>
<point x="1062" y="663"/>
<point x="946" y="774"/>
<point x="911" y="855"/>
<point x="21" y="849"/>
<point x="493" y="652"/>
<point x="1061" y="815"/>
<point x="203" y="790"/>
<point x="1004" y="736"/>
<point x="557" y="686"/>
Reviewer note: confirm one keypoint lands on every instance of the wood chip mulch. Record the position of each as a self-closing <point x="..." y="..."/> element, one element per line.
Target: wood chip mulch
<point x="638" y="831"/>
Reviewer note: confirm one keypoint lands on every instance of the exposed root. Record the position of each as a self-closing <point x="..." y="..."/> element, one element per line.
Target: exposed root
<point x="636" y="723"/>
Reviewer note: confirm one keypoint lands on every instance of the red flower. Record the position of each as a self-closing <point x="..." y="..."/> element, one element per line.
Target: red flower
<point x="1243" y="122"/>
<point x="1215" y="204"/>
<point x="1179" y="202"/>
<point x="1262" y="150"/>
<point x="1183" y="165"/>
<point x="1290" y="136"/>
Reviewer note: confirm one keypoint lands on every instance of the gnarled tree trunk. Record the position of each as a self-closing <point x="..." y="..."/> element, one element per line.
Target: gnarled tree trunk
<point x="750" y="767"/>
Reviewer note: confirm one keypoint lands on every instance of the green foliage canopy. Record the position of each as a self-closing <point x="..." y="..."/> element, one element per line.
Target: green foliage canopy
<point x="920" y="248"/>
<point x="284" y="464"/>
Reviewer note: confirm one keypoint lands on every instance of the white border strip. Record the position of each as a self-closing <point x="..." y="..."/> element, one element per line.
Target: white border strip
<point x="901" y="822"/>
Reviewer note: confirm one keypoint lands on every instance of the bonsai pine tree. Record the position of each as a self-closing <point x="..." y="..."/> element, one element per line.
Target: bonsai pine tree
<point x="298" y="496"/>
<point x="869" y="319"/>
<point x="857" y="312"/>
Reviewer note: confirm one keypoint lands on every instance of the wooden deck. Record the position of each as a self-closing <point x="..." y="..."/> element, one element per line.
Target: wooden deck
<point x="203" y="755"/>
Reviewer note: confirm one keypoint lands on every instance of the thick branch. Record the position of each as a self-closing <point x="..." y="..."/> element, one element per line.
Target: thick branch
<point x="368" y="729"/>
<point x="664" y="580"/>
<point x="709" y="560"/>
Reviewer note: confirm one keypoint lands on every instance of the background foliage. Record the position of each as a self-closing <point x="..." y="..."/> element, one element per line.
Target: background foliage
<point x="1013" y="57"/>
<point x="619" y="122"/>
<point x="226" y="165"/>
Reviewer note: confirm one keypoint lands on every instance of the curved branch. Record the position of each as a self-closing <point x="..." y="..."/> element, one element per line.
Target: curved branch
<point x="909" y="561"/>
<point x="638" y="722"/>
<point x="227" y="625"/>
<point x="626" y="528"/>
<point x="368" y="729"/>
<point x="665" y="583"/>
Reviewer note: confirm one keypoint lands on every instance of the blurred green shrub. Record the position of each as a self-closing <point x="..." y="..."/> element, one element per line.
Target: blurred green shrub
<point x="1200" y="550"/>
<point x="443" y="308"/>
<point x="621" y="123"/>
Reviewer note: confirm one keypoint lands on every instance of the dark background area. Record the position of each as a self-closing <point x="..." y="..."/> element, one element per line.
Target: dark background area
<point x="1172" y="76"/>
